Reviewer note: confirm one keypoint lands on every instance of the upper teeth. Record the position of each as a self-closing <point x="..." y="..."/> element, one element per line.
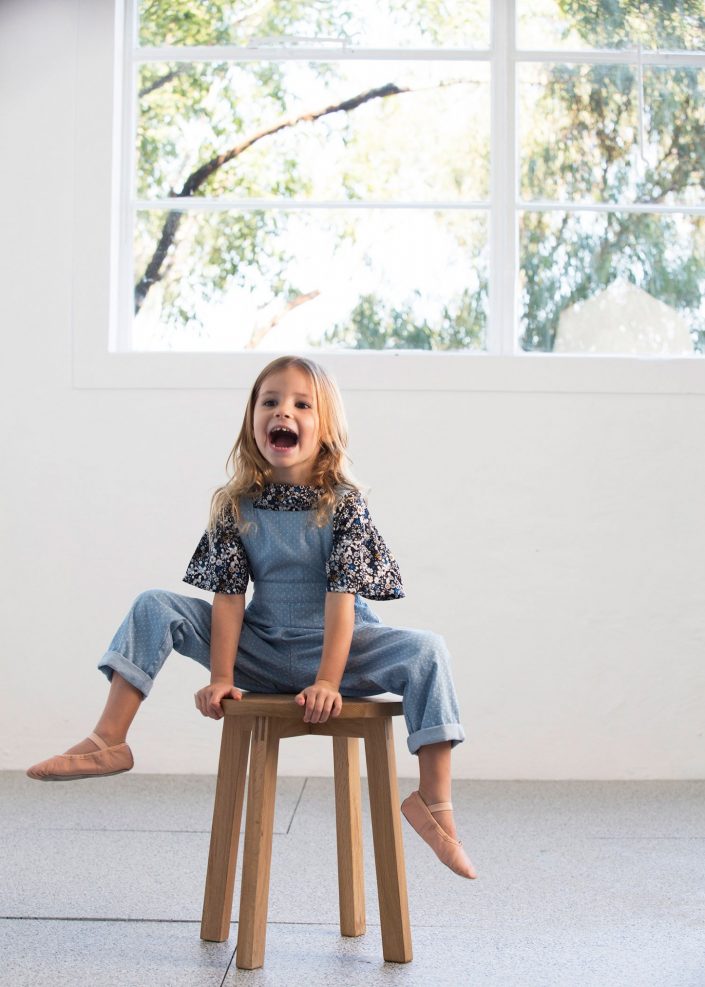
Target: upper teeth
<point x="284" y="428"/>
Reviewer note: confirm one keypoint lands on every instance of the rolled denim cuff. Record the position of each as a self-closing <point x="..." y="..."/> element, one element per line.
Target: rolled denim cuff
<point x="434" y="735"/>
<point x="113" y="661"/>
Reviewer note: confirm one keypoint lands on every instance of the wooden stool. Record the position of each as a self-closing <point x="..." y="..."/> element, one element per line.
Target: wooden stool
<point x="267" y="719"/>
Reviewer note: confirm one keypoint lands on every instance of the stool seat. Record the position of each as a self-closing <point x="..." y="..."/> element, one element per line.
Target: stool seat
<point x="285" y="705"/>
<point x="252" y="729"/>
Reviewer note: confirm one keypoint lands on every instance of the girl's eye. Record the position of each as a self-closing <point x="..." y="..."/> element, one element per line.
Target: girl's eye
<point x="267" y="401"/>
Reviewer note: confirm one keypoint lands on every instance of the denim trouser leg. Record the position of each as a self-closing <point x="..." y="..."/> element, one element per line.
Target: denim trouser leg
<point x="414" y="664"/>
<point x="158" y="622"/>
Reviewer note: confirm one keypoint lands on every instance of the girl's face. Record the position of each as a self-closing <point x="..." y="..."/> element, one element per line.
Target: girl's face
<point x="286" y="425"/>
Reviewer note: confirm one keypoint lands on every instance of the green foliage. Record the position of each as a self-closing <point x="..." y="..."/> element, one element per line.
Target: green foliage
<point x="441" y="22"/>
<point x="209" y="107"/>
<point x="242" y="251"/>
<point x="213" y="22"/>
<point x="210" y="22"/>
<point x="674" y="24"/>
<point x="376" y="325"/>
<point x="190" y="22"/>
<point x="593" y="154"/>
<point x="564" y="262"/>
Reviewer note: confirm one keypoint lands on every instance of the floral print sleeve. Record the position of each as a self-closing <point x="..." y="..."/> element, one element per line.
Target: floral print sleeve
<point x="220" y="562"/>
<point x="359" y="561"/>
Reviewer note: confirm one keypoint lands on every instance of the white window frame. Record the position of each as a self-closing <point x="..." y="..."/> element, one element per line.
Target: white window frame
<point x="104" y="204"/>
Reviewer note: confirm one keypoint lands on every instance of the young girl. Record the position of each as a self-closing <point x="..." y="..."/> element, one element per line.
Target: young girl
<point x="293" y="520"/>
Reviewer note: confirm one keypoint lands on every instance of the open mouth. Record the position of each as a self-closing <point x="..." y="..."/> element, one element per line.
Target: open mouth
<point x="283" y="438"/>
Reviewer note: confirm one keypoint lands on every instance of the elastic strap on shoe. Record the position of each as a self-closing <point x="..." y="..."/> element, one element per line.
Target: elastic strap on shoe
<point x="98" y="741"/>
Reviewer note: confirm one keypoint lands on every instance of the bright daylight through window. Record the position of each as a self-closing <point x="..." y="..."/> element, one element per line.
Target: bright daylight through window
<point x="448" y="175"/>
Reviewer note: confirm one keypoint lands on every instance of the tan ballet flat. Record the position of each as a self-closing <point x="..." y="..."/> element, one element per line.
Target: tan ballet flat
<point x="96" y="764"/>
<point x="448" y="850"/>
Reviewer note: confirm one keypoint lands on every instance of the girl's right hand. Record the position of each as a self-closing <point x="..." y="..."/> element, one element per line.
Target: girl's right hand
<point x="208" y="698"/>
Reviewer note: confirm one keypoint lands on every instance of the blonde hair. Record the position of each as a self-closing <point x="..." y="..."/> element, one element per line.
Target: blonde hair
<point x="251" y="471"/>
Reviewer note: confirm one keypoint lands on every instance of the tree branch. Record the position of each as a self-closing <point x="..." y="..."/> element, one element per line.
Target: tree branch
<point x="163" y="80"/>
<point x="197" y="178"/>
<point x="259" y="334"/>
<point x="202" y="174"/>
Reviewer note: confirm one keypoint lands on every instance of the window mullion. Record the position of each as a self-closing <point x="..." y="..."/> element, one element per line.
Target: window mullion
<point x="617" y="56"/>
<point x="124" y="178"/>
<point x="283" y="53"/>
<point x="503" y="168"/>
<point x="223" y="203"/>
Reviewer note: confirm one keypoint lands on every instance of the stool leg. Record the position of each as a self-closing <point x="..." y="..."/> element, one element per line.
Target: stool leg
<point x="348" y="824"/>
<point x="386" y="831"/>
<point x="225" y="832"/>
<point x="257" y="856"/>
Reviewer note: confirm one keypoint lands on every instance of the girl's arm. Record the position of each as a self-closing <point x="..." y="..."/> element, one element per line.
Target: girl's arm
<point x="338" y="626"/>
<point x="323" y="699"/>
<point x="226" y="625"/>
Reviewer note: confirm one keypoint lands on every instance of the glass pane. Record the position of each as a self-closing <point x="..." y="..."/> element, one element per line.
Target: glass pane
<point x="429" y="141"/>
<point x="368" y="23"/>
<point x="575" y="25"/>
<point x="290" y="280"/>
<point x="579" y="134"/>
<point x="613" y="283"/>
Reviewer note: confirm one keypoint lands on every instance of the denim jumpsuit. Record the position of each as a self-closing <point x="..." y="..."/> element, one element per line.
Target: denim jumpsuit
<point x="281" y="640"/>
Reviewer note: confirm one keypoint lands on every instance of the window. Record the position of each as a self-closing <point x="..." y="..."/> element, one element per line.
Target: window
<point x="528" y="226"/>
<point x="464" y="176"/>
<point x="309" y="175"/>
<point x="611" y="150"/>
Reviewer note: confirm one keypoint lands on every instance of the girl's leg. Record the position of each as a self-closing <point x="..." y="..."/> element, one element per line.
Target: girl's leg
<point x="416" y="665"/>
<point x="434" y="781"/>
<point x="411" y="663"/>
<point x="434" y="787"/>
<point x="119" y="712"/>
<point x="158" y="622"/>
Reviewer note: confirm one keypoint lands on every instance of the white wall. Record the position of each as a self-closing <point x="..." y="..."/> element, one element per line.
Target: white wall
<point x="554" y="539"/>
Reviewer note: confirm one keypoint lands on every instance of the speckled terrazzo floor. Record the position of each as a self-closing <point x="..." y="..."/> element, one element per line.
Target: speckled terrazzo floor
<point x="582" y="884"/>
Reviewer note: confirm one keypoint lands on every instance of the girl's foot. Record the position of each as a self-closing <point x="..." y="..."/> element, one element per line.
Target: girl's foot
<point x="444" y="817"/>
<point x="442" y="841"/>
<point x="89" y="746"/>
<point x="103" y="759"/>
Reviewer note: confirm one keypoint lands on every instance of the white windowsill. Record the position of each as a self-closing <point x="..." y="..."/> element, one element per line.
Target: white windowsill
<point x="395" y="371"/>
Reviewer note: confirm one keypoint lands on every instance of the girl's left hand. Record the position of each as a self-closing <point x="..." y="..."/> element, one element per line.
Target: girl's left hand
<point x="322" y="700"/>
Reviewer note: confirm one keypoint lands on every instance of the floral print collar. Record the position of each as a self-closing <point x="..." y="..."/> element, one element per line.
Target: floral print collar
<point x="287" y="497"/>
